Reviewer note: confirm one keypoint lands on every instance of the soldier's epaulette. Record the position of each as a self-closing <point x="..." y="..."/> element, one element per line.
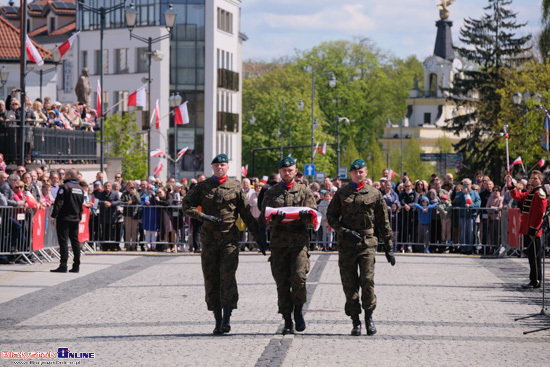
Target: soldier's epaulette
<point x="542" y="193"/>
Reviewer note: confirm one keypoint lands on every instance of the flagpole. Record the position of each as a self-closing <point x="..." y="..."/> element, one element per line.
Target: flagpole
<point x="507" y="154"/>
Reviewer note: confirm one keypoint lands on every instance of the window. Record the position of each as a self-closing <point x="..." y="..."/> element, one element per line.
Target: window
<point x="121" y="96"/>
<point x="142" y="60"/>
<point x="427" y="118"/>
<point x="84" y="59"/>
<point x="121" y="61"/>
<point x="52" y="24"/>
<point x="105" y="62"/>
<point x="225" y="21"/>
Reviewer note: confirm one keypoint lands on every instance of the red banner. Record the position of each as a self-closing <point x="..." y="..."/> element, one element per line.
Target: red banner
<point x="83" y="228"/>
<point x="513" y="227"/>
<point x="38" y="226"/>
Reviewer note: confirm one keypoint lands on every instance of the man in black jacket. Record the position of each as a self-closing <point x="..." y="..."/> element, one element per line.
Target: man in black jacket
<point x="109" y="200"/>
<point x="67" y="208"/>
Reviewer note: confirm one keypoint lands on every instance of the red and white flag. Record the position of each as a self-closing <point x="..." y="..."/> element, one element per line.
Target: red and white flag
<point x="244" y="170"/>
<point x="541" y="162"/>
<point x="98" y="107"/>
<point x="392" y="174"/>
<point x="137" y="99"/>
<point x="156" y="153"/>
<point x="517" y="161"/>
<point x="183" y="151"/>
<point x="324" y="148"/>
<point x="264" y="179"/>
<point x="33" y="53"/>
<point x="468" y="199"/>
<point x="157" y="169"/>
<point x="157" y="117"/>
<point x="292" y="213"/>
<point x="65" y="46"/>
<point x="316" y="149"/>
<point x="182" y="115"/>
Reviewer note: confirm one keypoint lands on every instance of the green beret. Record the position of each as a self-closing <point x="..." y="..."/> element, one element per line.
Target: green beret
<point x="220" y="158"/>
<point x="357" y="164"/>
<point x="287" y="162"/>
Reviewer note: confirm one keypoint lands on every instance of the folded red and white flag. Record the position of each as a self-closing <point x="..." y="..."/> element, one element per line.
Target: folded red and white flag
<point x="316" y="149"/>
<point x="292" y="213"/>
<point x="157" y="169"/>
<point x="33" y="53"/>
<point x="392" y="174"/>
<point x="157" y="117"/>
<point x="541" y="162"/>
<point x="181" y="114"/>
<point x="244" y="170"/>
<point x="324" y="148"/>
<point x="517" y="161"/>
<point x="468" y="199"/>
<point x="181" y="152"/>
<point x="156" y="153"/>
<point x="98" y="106"/>
<point x="264" y="180"/>
<point x="137" y="99"/>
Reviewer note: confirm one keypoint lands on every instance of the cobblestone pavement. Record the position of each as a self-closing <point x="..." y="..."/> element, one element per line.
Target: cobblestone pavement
<point x="149" y="311"/>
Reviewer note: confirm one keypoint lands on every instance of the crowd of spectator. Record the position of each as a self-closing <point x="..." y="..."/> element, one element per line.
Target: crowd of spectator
<point x="146" y="215"/>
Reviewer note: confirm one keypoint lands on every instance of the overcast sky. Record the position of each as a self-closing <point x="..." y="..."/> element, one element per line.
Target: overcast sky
<point x="404" y="27"/>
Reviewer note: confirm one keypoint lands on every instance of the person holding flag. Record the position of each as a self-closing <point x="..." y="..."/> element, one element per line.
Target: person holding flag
<point x="469" y="200"/>
<point x="532" y="213"/>
<point x="289" y="242"/>
<point x="221" y="199"/>
<point x="354" y="211"/>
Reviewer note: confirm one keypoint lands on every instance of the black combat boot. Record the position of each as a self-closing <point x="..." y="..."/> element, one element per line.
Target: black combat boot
<point x="371" y="329"/>
<point x="218" y="318"/>
<point x="299" y="318"/>
<point x="75" y="269"/>
<point x="356" y="331"/>
<point x="60" y="269"/>
<point x="226" y="327"/>
<point x="289" y="325"/>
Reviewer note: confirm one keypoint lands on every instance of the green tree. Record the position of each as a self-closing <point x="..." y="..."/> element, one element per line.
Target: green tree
<point x="415" y="168"/>
<point x="122" y="140"/>
<point x="490" y="45"/>
<point x="544" y="36"/>
<point x="372" y="153"/>
<point x="444" y="144"/>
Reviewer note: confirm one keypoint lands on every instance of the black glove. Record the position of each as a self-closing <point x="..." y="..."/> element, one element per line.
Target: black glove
<point x="352" y="236"/>
<point x="511" y="186"/>
<point x="390" y="257"/>
<point x="210" y="218"/>
<point x="262" y="245"/>
<point x="278" y="217"/>
<point x="305" y="215"/>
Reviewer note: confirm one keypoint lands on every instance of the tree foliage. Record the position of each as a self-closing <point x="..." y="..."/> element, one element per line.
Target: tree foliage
<point x="491" y="46"/>
<point x="122" y="140"/>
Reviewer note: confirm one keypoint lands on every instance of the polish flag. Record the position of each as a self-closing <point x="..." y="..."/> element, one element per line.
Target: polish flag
<point x="156" y="153"/>
<point x="182" y="115"/>
<point x="65" y="46"/>
<point x="468" y="199"/>
<point x="264" y="179"/>
<point x="316" y="149"/>
<point x="324" y="148"/>
<point x="244" y="170"/>
<point x="392" y="174"/>
<point x="98" y="99"/>
<point x="33" y="53"/>
<point x="517" y="161"/>
<point x="157" y="117"/>
<point x="541" y="162"/>
<point x="137" y="99"/>
<point x="183" y="151"/>
<point x="292" y="213"/>
<point x="157" y="169"/>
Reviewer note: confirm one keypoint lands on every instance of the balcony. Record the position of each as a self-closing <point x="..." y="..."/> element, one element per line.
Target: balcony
<point x="48" y="144"/>
<point x="228" y="79"/>
<point x="228" y="122"/>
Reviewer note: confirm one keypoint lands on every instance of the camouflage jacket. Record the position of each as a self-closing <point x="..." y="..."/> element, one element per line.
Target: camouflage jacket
<point x="225" y="201"/>
<point x="299" y="195"/>
<point x="360" y="211"/>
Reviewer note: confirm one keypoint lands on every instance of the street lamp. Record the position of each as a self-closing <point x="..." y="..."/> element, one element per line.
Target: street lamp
<point x="332" y="84"/>
<point x="170" y="20"/>
<point x="517" y="97"/>
<point x="4" y="74"/>
<point x="175" y="101"/>
<point x="252" y="120"/>
<point x="338" y="120"/>
<point x="102" y="11"/>
<point x="280" y="133"/>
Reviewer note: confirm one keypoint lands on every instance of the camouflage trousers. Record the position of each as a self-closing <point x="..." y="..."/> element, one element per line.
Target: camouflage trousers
<point x="220" y="259"/>
<point x="350" y="260"/>
<point x="289" y="266"/>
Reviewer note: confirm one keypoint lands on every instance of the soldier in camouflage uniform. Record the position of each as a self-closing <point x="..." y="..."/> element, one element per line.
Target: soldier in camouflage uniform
<point x="289" y="244"/>
<point x="354" y="212"/>
<point x="221" y="200"/>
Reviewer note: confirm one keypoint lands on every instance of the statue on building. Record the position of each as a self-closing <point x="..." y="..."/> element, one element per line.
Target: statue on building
<point x="82" y="88"/>
<point x="443" y="8"/>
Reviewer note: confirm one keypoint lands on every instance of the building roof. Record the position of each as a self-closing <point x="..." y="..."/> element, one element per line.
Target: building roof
<point x="65" y="29"/>
<point x="10" y="43"/>
<point x="39" y="31"/>
<point x="41" y="8"/>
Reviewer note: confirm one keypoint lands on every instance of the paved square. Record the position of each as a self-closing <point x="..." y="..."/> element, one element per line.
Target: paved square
<point x="150" y="311"/>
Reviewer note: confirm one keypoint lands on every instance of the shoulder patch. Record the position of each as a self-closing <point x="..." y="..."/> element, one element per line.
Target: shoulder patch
<point x="60" y="191"/>
<point x="542" y="194"/>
